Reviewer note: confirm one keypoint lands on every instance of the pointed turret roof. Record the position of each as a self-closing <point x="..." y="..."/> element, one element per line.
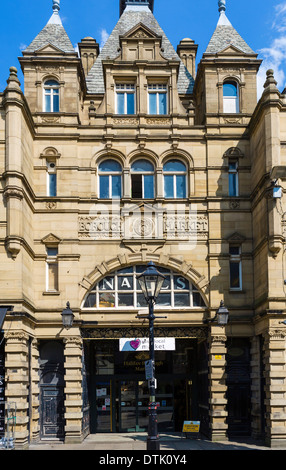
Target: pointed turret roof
<point x="53" y="33"/>
<point x="131" y="16"/>
<point x="225" y="35"/>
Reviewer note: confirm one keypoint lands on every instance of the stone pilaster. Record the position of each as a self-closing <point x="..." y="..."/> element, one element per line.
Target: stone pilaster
<point x="35" y="392"/>
<point x="275" y="386"/>
<point x="256" y="399"/>
<point x="73" y="389"/>
<point x="217" y="384"/>
<point x="17" y="382"/>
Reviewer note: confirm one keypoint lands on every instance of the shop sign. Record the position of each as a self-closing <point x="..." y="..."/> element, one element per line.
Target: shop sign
<point x="191" y="426"/>
<point x="142" y="344"/>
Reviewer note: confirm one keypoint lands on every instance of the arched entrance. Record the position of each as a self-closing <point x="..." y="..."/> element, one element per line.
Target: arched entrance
<point x="116" y="381"/>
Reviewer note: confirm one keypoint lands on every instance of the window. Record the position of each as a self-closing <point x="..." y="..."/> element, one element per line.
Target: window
<point x="157" y="99"/>
<point x="174" y="179"/>
<point x="125" y="99"/>
<point x="51" y="96"/>
<point x="142" y="180"/>
<point x="121" y="289"/>
<point x="110" y="175"/>
<point x="233" y="178"/>
<point x="235" y="267"/>
<point x="51" y="179"/>
<point x="52" y="269"/>
<point x="230" y="97"/>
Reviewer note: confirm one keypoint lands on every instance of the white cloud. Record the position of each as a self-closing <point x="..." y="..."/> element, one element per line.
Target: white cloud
<point x="103" y="37"/>
<point x="274" y="56"/>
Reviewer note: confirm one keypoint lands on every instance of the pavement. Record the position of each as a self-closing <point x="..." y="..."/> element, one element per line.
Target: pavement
<point x="137" y="442"/>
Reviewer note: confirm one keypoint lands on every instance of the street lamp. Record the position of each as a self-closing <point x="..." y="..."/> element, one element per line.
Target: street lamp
<point x="221" y="315"/>
<point x="67" y="317"/>
<point x="151" y="281"/>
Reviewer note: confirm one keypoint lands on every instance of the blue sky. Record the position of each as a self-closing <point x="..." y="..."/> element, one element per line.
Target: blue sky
<point x="262" y="24"/>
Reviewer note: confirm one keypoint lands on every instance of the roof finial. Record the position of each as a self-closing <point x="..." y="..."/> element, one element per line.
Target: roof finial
<point x="56" y="6"/>
<point x="221" y="6"/>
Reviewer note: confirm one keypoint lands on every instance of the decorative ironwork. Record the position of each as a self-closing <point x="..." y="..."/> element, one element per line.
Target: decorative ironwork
<point x="142" y="332"/>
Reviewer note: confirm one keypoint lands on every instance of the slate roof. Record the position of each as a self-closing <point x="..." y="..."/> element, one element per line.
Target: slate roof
<point x="224" y="36"/>
<point x="129" y="19"/>
<point x="53" y="33"/>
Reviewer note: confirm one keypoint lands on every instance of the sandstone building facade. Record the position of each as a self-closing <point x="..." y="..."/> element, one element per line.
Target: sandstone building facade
<point x="116" y="157"/>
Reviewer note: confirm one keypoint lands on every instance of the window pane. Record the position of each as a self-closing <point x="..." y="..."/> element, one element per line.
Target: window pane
<point x="232" y="184"/>
<point x="116" y="186"/>
<point x="106" y="299"/>
<point x="125" y="300"/>
<point x="198" y="300"/>
<point x="142" y="165"/>
<point x="148" y="186"/>
<point x="120" y="103"/>
<point x="164" y="300"/>
<point x="169" y="185"/>
<point x="152" y="103"/>
<point x="181" y="186"/>
<point x="90" y="301"/>
<point x="125" y="283"/>
<point x="234" y="250"/>
<point x="52" y="251"/>
<point x="180" y="283"/>
<point x="229" y="89"/>
<point x="47" y="103"/>
<point x="141" y="301"/>
<point x="56" y="102"/>
<point x="167" y="283"/>
<point x="234" y="269"/>
<point x="52" y="184"/>
<point x="174" y="165"/>
<point x="130" y="103"/>
<point x="104" y="187"/>
<point x="108" y="283"/>
<point x="110" y="165"/>
<point x="182" y="300"/>
<point x="162" y="103"/>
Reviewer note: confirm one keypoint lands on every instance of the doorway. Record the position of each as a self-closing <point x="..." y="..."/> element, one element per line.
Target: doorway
<point x="119" y="393"/>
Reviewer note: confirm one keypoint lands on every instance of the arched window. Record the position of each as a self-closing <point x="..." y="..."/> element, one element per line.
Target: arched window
<point x="175" y="179"/>
<point x="230" y="97"/>
<point x="51" y="96"/>
<point x="110" y="175"/>
<point x="121" y="289"/>
<point x="142" y="179"/>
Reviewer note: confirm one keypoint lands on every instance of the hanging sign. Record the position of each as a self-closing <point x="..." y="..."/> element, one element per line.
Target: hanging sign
<point x="142" y="344"/>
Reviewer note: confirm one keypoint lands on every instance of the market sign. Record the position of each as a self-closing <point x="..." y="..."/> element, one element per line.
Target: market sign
<point x="142" y="344"/>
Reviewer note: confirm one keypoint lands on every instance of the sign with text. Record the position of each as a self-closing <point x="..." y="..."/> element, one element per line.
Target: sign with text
<point x="191" y="426"/>
<point x="142" y="344"/>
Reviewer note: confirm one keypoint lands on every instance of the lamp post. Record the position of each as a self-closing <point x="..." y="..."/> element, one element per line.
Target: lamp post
<point x="151" y="281"/>
<point x="67" y="317"/>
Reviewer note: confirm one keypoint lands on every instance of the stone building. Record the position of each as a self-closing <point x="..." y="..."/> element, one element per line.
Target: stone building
<point x="116" y="157"/>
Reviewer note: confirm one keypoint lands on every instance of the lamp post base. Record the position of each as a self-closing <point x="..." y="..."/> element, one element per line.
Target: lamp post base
<point x="153" y="444"/>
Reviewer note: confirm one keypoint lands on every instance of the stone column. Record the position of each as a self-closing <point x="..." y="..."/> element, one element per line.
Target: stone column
<point x="35" y="392"/>
<point x="275" y="386"/>
<point x="73" y="389"/>
<point x="17" y="382"/>
<point x="217" y="384"/>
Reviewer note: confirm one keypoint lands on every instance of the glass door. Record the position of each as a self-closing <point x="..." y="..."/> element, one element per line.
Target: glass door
<point x="103" y="391"/>
<point x="127" y="406"/>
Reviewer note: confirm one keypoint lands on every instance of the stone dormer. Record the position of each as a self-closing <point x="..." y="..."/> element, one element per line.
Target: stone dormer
<point x="226" y="76"/>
